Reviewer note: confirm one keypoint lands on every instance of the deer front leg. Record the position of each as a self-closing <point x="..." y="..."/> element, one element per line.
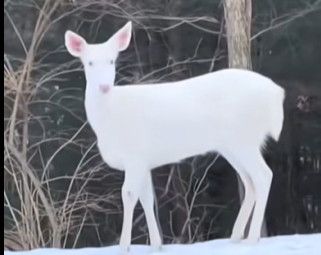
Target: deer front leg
<point x="134" y="179"/>
<point x="146" y="198"/>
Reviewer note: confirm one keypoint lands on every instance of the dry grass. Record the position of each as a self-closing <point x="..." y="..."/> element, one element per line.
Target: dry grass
<point x="26" y="230"/>
<point x="36" y="219"/>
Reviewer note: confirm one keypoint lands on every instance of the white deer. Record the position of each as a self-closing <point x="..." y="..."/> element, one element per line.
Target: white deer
<point x="142" y="127"/>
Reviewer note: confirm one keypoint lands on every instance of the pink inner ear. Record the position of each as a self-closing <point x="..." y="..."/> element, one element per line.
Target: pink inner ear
<point x="75" y="43"/>
<point x="123" y="39"/>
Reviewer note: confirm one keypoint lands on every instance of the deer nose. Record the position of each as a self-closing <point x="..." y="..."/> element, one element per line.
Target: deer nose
<point x="104" y="88"/>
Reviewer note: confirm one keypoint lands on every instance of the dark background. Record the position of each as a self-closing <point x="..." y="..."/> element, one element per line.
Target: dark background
<point x="172" y="40"/>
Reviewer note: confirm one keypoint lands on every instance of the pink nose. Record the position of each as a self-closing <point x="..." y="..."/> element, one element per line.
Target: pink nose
<point x="104" y="88"/>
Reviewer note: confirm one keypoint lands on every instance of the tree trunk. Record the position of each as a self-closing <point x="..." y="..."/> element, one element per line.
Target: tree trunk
<point x="238" y="15"/>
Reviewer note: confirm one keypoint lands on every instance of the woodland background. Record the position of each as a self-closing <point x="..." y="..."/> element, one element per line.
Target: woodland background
<point x="57" y="190"/>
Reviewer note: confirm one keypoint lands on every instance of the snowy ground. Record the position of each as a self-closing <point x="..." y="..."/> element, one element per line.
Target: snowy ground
<point x="281" y="245"/>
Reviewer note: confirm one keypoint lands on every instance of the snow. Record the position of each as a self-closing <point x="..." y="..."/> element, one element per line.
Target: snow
<point x="280" y="245"/>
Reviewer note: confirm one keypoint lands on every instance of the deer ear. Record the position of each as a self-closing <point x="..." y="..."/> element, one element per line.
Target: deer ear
<point x="75" y="44"/>
<point x="122" y="37"/>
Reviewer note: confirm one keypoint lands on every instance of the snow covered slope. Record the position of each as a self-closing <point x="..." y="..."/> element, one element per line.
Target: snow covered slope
<point x="280" y="245"/>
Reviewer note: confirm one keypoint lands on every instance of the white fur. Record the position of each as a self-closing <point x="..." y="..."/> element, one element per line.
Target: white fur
<point x="142" y="127"/>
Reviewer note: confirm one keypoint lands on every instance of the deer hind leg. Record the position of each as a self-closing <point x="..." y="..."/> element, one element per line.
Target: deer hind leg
<point x="146" y="198"/>
<point x="261" y="176"/>
<point x="249" y="198"/>
<point x="134" y="181"/>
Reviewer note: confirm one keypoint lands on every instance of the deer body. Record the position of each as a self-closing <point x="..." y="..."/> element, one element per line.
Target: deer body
<point x="142" y="127"/>
<point x="166" y="123"/>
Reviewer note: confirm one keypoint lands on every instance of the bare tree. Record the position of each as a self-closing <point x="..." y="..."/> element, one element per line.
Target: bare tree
<point x="238" y="16"/>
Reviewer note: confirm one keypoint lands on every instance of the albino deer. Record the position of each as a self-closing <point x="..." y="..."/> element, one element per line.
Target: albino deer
<point x="142" y="127"/>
